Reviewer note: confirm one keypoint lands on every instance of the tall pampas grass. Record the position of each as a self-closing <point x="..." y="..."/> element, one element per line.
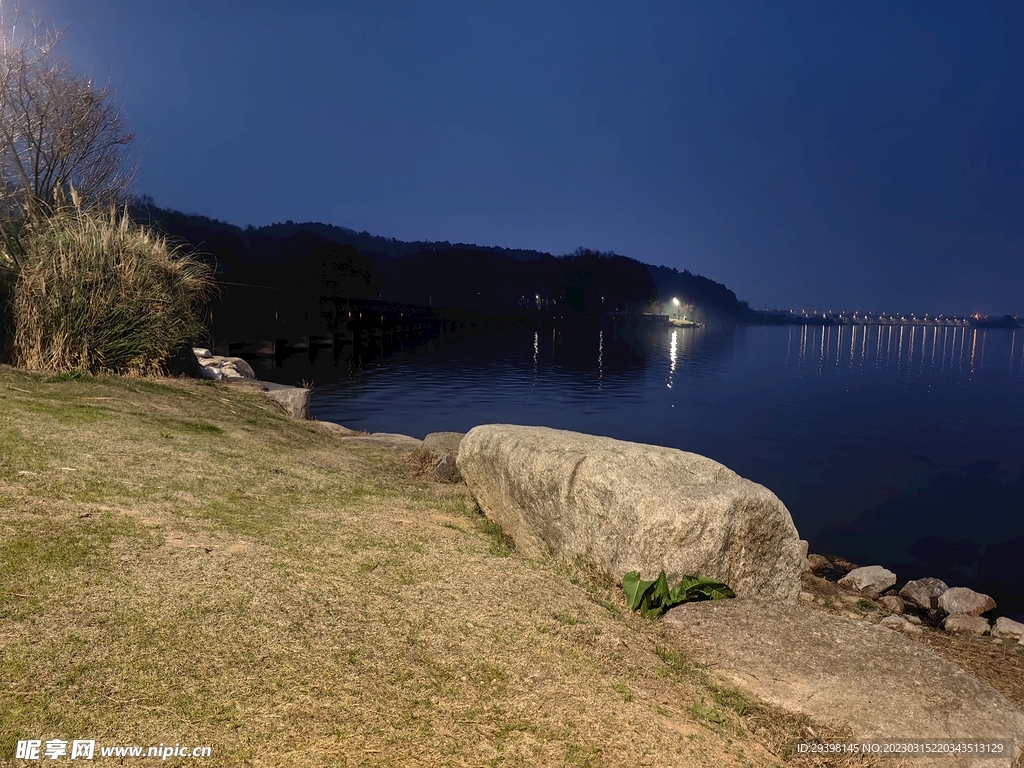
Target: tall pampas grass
<point x="96" y="292"/>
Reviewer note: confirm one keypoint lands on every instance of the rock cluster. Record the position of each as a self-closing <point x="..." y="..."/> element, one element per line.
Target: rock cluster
<point x="957" y="609"/>
<point x="234" y="370"/>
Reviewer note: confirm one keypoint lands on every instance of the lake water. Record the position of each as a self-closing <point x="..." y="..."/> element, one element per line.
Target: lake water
<point x="896" y="445"/>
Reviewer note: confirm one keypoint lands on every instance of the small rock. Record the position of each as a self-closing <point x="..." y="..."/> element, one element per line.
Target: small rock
<point x="850" y="599"/>
<point x="1008" y="629"/>
<point x="336" y="429"/>
<point x="294" y="400"/>
<point x="924" y="593"/>
<point x="446" y="469"/>
<point x="893" y="622"/>
<point x="966" y="624"/>
<point x="199" y="352"/>
<point x="842" y="564"/>
<point x="871" y="580"/>
<point x="900" y="623"/>
<point x="852" y="615"/>
<point x="443" y="443"/>
<point x="915" y="620"/>
<point x="806" y="597"/>
<point x="818" y="563"/>
<point x="964" y="600"/>
<point x="893" y="603"/>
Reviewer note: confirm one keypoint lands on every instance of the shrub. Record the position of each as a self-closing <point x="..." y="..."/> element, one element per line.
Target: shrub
<point x="100" y="293"/>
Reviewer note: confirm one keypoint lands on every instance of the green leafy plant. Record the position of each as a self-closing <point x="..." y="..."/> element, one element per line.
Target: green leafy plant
<point x="653" y="598"/>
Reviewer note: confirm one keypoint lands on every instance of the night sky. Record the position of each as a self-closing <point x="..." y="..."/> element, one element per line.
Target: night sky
<point x="809" y="155"/>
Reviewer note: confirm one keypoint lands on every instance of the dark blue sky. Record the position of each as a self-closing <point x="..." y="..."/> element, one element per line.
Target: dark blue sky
<point x="820" y="155"/>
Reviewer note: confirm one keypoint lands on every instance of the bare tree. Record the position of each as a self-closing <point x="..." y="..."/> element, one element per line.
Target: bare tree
<point x="62" y="137"/>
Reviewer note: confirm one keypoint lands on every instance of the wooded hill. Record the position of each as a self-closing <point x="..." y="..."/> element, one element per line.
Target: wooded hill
<point x="317" y="259"/>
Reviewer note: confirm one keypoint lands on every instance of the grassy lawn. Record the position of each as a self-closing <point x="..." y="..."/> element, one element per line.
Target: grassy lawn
<point x="180" y="562"/>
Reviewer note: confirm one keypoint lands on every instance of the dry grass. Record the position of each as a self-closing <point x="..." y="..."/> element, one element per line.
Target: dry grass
<point x="182" y="563"/>
<point x="1001" y="665"/>
<point x="99" y="293"/>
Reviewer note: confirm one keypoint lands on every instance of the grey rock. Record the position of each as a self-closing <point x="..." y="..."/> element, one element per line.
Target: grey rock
<point x="871" y="580"/>
<point x="294" y="400"/>
<point x="966" y="624"/>
<point x="818" y="563"/>
<point x="924" y="593"/>
<point x="336" y="429"/>
<point x="807" y="660"/>
<point x="913" y="619"/>
<point x="1008" y="629"/>
<point x="443" y="443"/>
<point x="893" y="603"/>
<point x="901" y="624"/>
<point x="625" y="507"/>
<point x="842" y="564"/>
<point x="200" y="352"/>
<point x="446" y="468"/>
<point x="964" y="600"/>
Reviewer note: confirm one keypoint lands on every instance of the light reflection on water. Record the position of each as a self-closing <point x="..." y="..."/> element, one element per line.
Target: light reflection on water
<point x="891" y="444"/>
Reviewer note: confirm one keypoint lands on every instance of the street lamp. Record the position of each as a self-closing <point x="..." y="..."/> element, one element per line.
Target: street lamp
<point x="675" y="302"/>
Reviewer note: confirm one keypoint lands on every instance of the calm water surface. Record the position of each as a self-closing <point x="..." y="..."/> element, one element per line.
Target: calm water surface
<point x="893" y="445"/>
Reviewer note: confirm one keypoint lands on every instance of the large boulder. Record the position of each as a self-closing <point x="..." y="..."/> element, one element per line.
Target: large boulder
<point x="625" y="507"/>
